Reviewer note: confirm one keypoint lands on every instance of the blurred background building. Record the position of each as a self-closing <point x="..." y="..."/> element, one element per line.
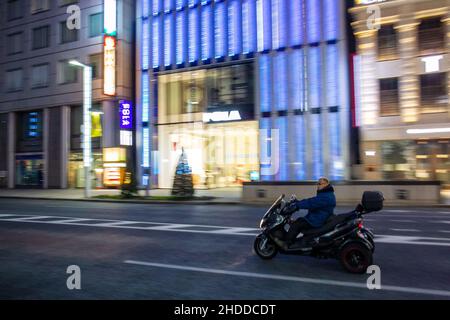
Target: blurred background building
<point x="41" y="94"/>
<point x="402" y="75"/>
<point x="211" y="74"/>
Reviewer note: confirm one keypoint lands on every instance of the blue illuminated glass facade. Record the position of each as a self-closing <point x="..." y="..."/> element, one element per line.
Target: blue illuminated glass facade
<point x="298" y="55"/>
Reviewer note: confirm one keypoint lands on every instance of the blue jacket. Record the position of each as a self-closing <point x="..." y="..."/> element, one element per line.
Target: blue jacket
<point x="320" y="208"/>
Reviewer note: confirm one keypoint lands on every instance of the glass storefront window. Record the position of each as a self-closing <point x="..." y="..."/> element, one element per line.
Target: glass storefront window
<point x="207" y="90"/>
<point x="421" y="159"/>
<point x="76" y="171"/>
<point x="220" y="155"/>
<point x="398" y="160"/>
<point x="29" y="172"/>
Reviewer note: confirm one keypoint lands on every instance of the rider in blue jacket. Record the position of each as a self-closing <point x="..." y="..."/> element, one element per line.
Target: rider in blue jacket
<point x="320" y="208"/>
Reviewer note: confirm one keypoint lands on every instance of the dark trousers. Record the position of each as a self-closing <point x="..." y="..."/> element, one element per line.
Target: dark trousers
<point x="296" y="227"/>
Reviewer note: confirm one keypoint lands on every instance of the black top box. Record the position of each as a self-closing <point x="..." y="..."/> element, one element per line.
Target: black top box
<point x="372" y="201"/>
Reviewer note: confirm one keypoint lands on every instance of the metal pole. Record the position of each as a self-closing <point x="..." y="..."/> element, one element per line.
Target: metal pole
<point x="87" y="101"/>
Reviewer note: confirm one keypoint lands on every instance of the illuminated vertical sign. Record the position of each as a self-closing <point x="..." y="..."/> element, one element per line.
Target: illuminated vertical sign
<point x="109" y="46"/>
<point x="234" y="30"/>
<point x="167" y="5"/>
<point x="110" y="17"/>
<point x="248" y="26"/>
<point x="220" y="29"/>
<point x="126" y="115"/>
<point x="276" y="24"/>
<point x="180" y="37"/>
<point x="156" y="7"/>
<point x="265" y="74"/>
<point x="193" y="35"/>
<point x="314" y="77"/>
<point x="146" y="148"/>
<point x="263" y="16"/>
<point x="87" y="103"/>
<point x="179" y="4"/>
<point x="316" y="144"/>
<point x="280" y="76"/>
<point x="297" y="88"/>
<point x="145" y="8"/>
<point x="145" y="43"/>
<point x="145" y="97"/>
<point x="109" y="61"/>
<point x="332" y="75"/>
<point x="168" y="25"/>
<point x="297" y="18"/>
<point x="33" y="124"/>
<point x="331" y="17"/>
<point x="206" y="33"/>
<point x="155" y="42"/>
<point x="313" y="21"/>
<point x="299" y="164"/>
<point x="282" y="126"/>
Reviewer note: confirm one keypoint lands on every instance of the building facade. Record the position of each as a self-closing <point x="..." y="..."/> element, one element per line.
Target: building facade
<point x="403" y="79"/>
<point x="249" y="89"/>
<point x="41" y="94"/>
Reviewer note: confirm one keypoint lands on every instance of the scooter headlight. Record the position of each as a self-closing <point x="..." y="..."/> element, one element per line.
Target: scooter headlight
<point x="262" y="224"/>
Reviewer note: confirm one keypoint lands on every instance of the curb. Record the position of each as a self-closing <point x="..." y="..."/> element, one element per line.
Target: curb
<point x="196" y="202"/>
<point x="130" y="201"/>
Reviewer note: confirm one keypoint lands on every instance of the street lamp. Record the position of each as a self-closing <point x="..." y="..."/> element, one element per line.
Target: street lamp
<point x="87" y="102"/>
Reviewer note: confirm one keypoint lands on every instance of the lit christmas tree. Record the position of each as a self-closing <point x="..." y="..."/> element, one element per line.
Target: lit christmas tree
<point x="182" y="183"/>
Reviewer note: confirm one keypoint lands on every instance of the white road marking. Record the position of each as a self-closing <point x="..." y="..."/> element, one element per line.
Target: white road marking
<point x="329" y="282"/>
<point x="201" y="229"/>
<point x="27" y="218"/>
<point x="405" y="230"/>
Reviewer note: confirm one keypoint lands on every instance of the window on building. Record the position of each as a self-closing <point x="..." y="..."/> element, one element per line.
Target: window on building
<point x="95" y="25"/>
<point x="40" y="75"/>
<point x="433" y="92"/>
<point x="68" y="35"/>
<point x="15" y="9"/>
<point x="39" y="5"/>
<point x="431" y="35"/>
<point x="387" y="42"/>
<point x="96" y="62"/>
<point x="41" y="37"/>
<point x="389" y="98"/>
<point x="67" y="73"/>
<point x="14" y="80"/>
<point x="15" y="43"/>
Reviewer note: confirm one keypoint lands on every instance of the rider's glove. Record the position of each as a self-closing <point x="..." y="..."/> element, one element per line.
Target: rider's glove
<point x="359" y="208"/>
<point x="292" y="207"/>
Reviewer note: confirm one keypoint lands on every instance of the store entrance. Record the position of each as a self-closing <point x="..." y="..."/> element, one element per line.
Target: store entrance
<point x="220" y="155"/>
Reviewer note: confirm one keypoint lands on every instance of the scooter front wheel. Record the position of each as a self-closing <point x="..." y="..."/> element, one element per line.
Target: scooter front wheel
<point x="264" y="247"/>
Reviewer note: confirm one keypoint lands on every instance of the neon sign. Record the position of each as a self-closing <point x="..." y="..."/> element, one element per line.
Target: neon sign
<point x="126" y="115"/>
<point x="222" y="116"/>
<point x="109" y="55"/>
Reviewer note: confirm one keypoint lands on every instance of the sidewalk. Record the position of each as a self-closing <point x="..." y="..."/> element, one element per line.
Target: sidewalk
<point x="221" y="196"/>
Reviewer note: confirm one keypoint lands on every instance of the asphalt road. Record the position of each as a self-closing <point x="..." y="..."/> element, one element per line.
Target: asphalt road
<point x="139" y="251"/>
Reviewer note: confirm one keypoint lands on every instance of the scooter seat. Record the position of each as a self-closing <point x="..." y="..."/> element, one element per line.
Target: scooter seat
<point x="329" y="225"/>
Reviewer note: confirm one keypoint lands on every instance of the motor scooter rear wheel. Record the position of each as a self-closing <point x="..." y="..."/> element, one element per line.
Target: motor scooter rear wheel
<point x="264" y="247"/>
<point x="355" y="257"/>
